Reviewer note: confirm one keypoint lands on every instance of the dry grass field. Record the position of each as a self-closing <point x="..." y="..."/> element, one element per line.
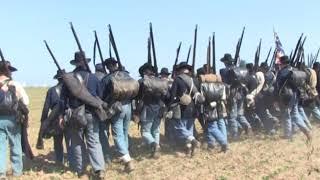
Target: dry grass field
<point x="258" y="157"/>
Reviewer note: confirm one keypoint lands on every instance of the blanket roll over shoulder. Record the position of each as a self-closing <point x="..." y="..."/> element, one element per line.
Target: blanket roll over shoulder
<point x="210" y="78"/>
<point x="78" y="90"/>
<point x="124" y="87"/>
<point x="155" y="86"/>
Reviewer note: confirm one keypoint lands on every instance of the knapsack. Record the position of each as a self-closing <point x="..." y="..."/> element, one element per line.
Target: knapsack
<point x="8" y="100"/>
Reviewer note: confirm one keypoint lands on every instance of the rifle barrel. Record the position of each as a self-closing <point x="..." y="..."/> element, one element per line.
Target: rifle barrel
<point x="194" y="48"/>
<point x="2" y="57"/>
<point x="189" y="51"/>
<point x="51" y="54"/>
<point x="76" y="37"/>
<point x="98" y="45"/>
<point x="214" y="53"/>
<point x="113" y="43"/>
<point x="153" y="49"/>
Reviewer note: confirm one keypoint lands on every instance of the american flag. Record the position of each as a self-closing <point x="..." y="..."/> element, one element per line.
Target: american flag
<point x="279" y="49"/>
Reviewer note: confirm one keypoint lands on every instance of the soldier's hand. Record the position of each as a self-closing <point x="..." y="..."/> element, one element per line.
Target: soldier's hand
<point x="61" y="123"/>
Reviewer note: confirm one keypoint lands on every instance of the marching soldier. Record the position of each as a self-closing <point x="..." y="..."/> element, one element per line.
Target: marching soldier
<point x="214" y="110"/>
<point x="11" y="92"/>
<point x="236" y="98"/>
<point x="288" y="93"/>
<point x="265" y="100"/>
<point x="182" y="90"/>
<point x="255" y="82"/>
<point x="150" y="100"/>
<point x="53" y="98"/>
<point x="84" y="122"/>
<point x="120" y="119"/>
<point x="103" y="126"/>
<point x="168" y="127"/>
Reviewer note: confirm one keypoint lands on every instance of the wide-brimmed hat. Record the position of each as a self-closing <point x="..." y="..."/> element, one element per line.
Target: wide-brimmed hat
<point x="146" y="66"/>
<point x="110" y="60"/>
<point x="249" y="66"/>
<point x="11" y="68"/>
<point x="165" y="71"/>
<point x="99" y="67"/>
<point x="316" y="65"/>
<point x="284" y="59"/>
<point x="59" y="74"/>
<point x="183" y="65"/>
<point x="78" y="57"/>
<point x="227" y="58"/>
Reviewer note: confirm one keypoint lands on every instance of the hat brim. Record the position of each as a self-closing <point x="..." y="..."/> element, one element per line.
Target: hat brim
<point x="145" y="67"/>
<point x="110" y="62"/>
<point x="184" y="67"/>
<point x="73" y="62"/>
<point x="227" y="60"/>
<point x="165" y="73"/>
<point x="12" y="69"/>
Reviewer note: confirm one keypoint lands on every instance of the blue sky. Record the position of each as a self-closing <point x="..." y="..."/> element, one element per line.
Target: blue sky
<point x="25" y="24"/>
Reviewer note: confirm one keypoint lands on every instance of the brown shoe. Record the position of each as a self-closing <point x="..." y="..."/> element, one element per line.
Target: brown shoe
<point x="128" y="167"/>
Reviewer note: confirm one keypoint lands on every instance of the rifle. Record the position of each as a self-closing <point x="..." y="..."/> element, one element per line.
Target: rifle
<point x="2" y="57"/>
<point x="189" y="53"/>
<point x="194" y="48"/>
<point x="296" y="49"/>
<point x="214" y="53"/>
<point x="79" y="46"/>
<point x="94" y="52"/>
<point x="110" y="53"/>
<point x="208" y="56"/>
<point x="51" y="54"/>
<point x="273" y="60"/>
<point x="266" y="61"/>
<point x="113" y="43"/>
<point x="316" y="57"/>
<point x="176" y="60"/>
<point x="238" y="47"/>
<point x="257" y="56"/>
<point x="153" y="50"/>
<point x="149" y="52"/>
<point x="300" y="53"/>
<point x="99" y="50"/>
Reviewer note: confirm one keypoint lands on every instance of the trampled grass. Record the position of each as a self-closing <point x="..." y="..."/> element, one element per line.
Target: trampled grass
<point x="257" y="157"/>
